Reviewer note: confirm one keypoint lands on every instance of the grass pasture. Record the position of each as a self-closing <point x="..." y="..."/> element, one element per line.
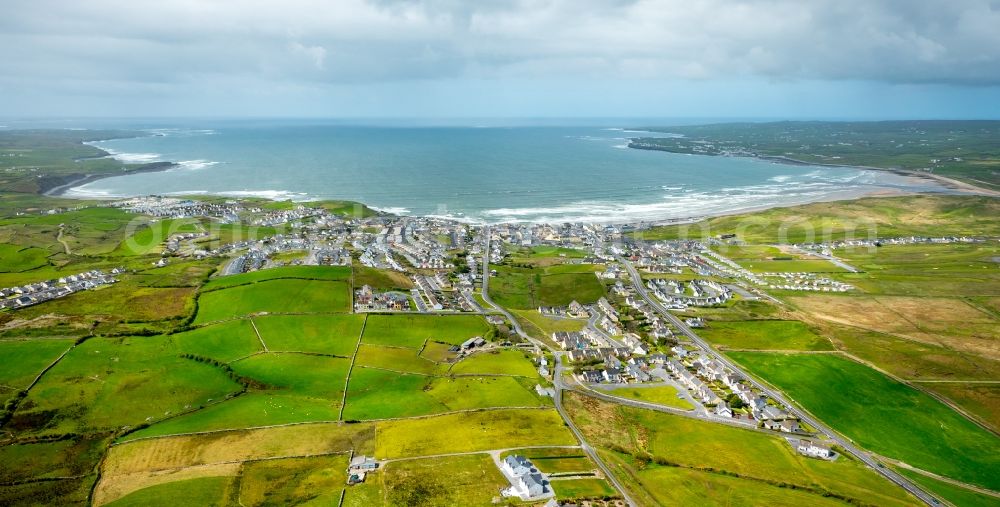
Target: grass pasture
<point x="322" y="334"/>
<point x="556" y="460"/>
<point x="274" y="296"/>
<point x="412" y="330"/>
<point x="318" y="480"/>
<point x="883" y="415"/>
<point x="206" y="491"/>
<point x="508" y="362"/>
<point x="149" y="238"/>
<point x="313" y="376"/>
<point x="397" y="359"/>
<point x="23" y="360"/>
<point x="558" y="285"/>
<point x="471" y="431"/>
<point x="107" y="383"/>
<point x="581" y="489"/>
<point x="455" y="480"/>
<point x="982" y="400"/>
<point x="224" y="342"/>
<point x="764" y="335"/>
<point x="660" y="395"/>
<point x="17" y="259"/>
<point x="330" y="273"/>
<point x="960" y="269"/>
<point x="379" y="394"/>
<point x="251" y="410"/>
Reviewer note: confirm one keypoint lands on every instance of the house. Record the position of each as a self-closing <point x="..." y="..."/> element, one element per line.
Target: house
<point x="722" y="409"/>
<point x="531" y="486"/>
<point x="612" y="375"/>
<point x="592" y="376"/>
<point x="772" y="412"/>
<point x="789" y="426"/>
<point x="526" y="482"/>
<point x="517" y="465"/>
<point x="362" y="463"/>
<point x="680" y="351"/>
<point x="475" y="341"/>
<point x="814" y="449"/>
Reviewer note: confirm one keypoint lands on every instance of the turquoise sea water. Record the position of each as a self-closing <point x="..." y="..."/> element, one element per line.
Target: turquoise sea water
<point x="477" y="174"/>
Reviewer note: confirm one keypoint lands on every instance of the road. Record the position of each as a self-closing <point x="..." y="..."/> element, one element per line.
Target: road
<point x="556" y="377"/>
<point x="775" y="395"/>
<point x="830" y="258"/>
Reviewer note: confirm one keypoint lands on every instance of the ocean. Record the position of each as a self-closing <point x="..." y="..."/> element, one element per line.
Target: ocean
<point x="476" y="174"/>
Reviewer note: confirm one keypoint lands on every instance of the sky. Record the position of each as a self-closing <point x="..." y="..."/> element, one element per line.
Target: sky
<point x="492" y="58"/>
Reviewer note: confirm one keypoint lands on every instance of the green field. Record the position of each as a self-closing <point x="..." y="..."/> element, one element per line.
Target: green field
<point x="660" y="395"/>
<point x="956" y="495"/>
<point x="247" y="411"/>
<point x="322" y="334"/>
<point x="274" y="296"/>
<point x="413" y="330"/>
<point x="315" y="480"/>
<point x="728" y="454"/>
<point x="314" y="376"/>
<point x="556" y="460"/>
<point x="383" y="279"/>
<point x="23" y="360"/>
<point x="764" y="335"/>
<point x="207" y="491"/>
<point x="963" y="269"/>
<point x="397" y="359"/>
<point x="377" y="394"/>
<point x="558" y="285"/>
<point x="449" y="481"/>
<point x="149" y="238"/>
<point x="509" y="362"/>
<point x="16" y="258"/>
<point x="107" y="383"/>
<point x="578" y="489"/>
<point x="225" y="342"/>
<point x="300" y="272"/>
<point x="792" y="266"/>
<point x="472" y="431"/>
<point x="883" y="415"/>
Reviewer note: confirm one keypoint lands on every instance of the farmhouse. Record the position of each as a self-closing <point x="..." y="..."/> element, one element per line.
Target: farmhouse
<point x="814" y="449"/>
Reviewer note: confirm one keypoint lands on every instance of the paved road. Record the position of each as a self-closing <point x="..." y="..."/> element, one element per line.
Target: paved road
<point x="777" y="396"/>
<point x="557" y="376"/>
<point x="830" y="258"/>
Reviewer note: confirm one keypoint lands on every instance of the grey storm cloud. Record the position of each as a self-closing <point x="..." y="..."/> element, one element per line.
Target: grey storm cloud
<point x="142" y="46"/>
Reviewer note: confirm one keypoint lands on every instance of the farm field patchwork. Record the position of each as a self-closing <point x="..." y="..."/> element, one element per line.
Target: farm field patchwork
<point x="505" y="362"/>
<point x="317" y="480"/>
<point x="397" y="359"/>
<point x="455" y="480"/>
<point x="225" y="342"/>
<point x="335" y="273"/>
<point x="883" y="415"/>
<point x="23" y="360"/>
<point x="314" y="376"/>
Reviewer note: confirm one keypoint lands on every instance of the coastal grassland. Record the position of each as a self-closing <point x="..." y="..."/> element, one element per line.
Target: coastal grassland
<point x="412" y="330"/>
<point x="250" y="410"/>
<point x="382" y="279"/>
<point x="293" y="481"/>
<point x="953" y="494"/>
<point x="224" y="342"/>
<point x="959" y="269"/>
<point x="883" y="415"/>
<point x="23" y="360"/>
<point x="17" y="259"/>
<point x="948" y="322"/>
<point x="501" y="362"/>
<point x="33" y="161"/>
<point x="224" y="234"/>
<point x="274" y="296"/>
<point x="749" y="252"/>
<point x="792" y="266"/>
<point x="739" y="310"/>
<point x="454" y="480"/>
<point x="471" y="431"/>
<point x="763" y="335"/>
<point x="379" y="394"/>
<point x="300" y="272"/>
<point x="556" y="460"/>
<point x="660" y="395"/>
<point x="350" y="209"/>
<point x="313" y="376"/>
<point x="149" y="238"/>
<point x="548" y="325"/>
<point x="398" y="359"/>
<point x="705" y="455"/>
<point x="558" y="285"/>
<point x="322" y="334"/>
<point x="107" y="383"/>
<point x="982" y="400"/>
<point x="580" y="489"/>
<point x="917" y="215"/>
<point x="207" y="491"/>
